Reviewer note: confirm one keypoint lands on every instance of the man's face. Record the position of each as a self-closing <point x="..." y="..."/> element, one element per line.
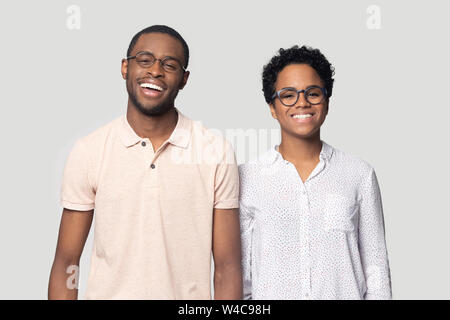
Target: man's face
<point x="300" y="77"/>
<point x="154" y="102"/>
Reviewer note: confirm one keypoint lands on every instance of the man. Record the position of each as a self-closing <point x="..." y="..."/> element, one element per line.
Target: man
<point x="160" y="207"/>
<point x="311" y="215"/>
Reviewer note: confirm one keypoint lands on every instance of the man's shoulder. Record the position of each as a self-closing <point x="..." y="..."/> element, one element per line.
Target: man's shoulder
<point x="210" y="138"/>
<point x="206" y="134"/>
<point x="99" y="136"/>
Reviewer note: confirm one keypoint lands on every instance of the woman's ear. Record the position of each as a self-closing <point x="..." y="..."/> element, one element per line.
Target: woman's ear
<point x="272" y="110"/>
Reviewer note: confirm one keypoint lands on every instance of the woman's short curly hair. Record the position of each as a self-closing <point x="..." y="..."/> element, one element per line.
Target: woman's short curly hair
<point x="294" y="55"/>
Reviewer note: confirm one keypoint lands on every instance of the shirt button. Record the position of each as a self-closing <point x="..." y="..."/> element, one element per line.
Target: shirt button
<point x="152" y="166"/>
<point x="143" y="143"/>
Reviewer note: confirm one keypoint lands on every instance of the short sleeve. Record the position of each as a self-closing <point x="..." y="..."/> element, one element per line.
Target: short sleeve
<point x="226" y="186"/>
<point x="76" y="190"/>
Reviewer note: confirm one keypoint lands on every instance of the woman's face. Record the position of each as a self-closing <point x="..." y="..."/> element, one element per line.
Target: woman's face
<point x="300" y="77"/>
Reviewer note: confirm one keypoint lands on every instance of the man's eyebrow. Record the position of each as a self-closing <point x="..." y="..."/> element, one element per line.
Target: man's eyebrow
<point x="148" y="52"/>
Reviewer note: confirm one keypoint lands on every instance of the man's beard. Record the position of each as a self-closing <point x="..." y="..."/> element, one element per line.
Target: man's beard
<point x="157" y="110"/>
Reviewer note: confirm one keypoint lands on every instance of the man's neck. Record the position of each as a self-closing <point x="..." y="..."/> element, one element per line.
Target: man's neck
<point x="156" y="128"/>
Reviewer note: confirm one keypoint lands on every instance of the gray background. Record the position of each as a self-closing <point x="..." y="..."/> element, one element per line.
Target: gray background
<point x="388" y="107"/>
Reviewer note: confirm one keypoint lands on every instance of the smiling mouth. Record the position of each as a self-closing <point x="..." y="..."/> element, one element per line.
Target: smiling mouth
<point x="302" y="116"/>
<point x="151" y="86"/>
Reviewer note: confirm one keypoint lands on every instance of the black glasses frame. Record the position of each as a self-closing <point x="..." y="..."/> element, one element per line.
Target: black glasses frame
<point x="277" y="95"/>
<point x="161" y="61"/>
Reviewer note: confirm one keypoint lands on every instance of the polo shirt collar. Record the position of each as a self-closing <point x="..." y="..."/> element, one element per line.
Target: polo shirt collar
<point x="180" y="136"/>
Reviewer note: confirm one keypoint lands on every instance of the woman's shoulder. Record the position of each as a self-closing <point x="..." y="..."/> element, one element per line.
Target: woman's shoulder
<point x="258" y="164"/>
<point x="349" y="162"/>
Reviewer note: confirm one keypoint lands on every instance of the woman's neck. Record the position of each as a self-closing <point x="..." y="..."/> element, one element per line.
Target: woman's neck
<point x="299" y="150"/>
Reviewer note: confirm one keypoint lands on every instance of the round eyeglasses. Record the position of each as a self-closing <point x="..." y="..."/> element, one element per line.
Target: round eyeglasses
<point x="147" y="59"/>
<point x="289" y="96"/>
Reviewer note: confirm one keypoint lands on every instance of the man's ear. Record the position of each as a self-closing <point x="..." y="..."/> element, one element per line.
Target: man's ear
<point x="184" y="80"/>
<point x="272" y="110"/>
<point x="124" y="69"/>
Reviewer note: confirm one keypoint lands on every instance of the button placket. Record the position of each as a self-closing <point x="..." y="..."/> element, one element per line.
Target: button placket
<point x="305" y="238"/>
<point x="151" y="175"/>
<point x="148" y="153"/>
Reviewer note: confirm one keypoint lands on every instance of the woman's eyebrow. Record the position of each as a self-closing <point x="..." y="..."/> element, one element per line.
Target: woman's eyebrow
<point x="292" y="88"/>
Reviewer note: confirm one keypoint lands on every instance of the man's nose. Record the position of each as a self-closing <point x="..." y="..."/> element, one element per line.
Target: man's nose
<point x="156" y="69"/>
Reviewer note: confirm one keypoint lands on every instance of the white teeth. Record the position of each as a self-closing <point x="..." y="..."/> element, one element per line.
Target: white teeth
<point x="151" y="86"/>
<point x="302" y="116"/>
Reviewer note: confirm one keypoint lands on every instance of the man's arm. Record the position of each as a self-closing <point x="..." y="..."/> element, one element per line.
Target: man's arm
<point x="227" y="255"/>
<point x="73" y="232"/>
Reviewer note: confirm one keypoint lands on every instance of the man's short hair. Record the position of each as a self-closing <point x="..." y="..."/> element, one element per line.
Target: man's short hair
<point x="161" y="29"/>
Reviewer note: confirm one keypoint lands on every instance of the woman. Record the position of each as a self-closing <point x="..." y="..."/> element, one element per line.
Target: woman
<point x="311" y="216"/>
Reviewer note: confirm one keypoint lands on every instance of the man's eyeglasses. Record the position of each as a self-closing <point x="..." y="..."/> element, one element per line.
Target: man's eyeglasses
<point x="146" y="60"/>
<point x="289" y="96"/>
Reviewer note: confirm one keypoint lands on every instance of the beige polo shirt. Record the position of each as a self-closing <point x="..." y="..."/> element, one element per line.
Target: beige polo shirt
<point x="153" y="209"/>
